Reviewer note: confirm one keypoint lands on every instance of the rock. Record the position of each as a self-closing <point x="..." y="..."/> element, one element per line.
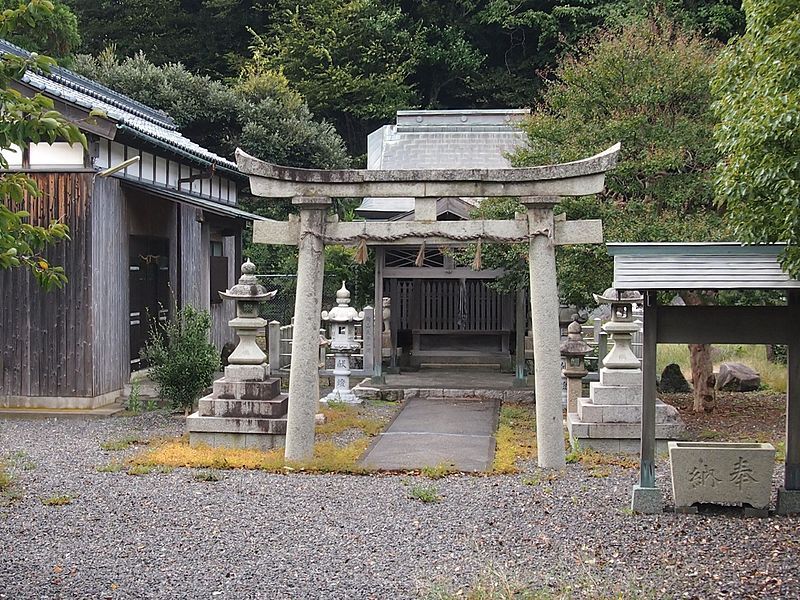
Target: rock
<point x="319" y="419"/>
<point x="672" y="381"/>
<point x="737" y="377"/>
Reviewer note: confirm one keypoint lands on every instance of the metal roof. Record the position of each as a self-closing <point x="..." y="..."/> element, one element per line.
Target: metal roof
<point x="441" y="139"/>
<point x="141" y="121"/>
<point x="698" y="265"/>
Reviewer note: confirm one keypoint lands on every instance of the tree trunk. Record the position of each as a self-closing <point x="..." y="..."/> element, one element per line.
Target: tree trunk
<point x="702" y="366"/>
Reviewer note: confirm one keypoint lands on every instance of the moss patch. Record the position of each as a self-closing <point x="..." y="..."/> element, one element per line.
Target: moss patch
<point x="516" y="437"/>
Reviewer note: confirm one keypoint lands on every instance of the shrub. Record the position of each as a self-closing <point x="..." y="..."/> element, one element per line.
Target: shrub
<point x="182" y="360"/>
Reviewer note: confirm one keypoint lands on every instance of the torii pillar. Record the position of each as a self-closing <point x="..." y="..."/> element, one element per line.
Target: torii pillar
<point x="539" y="188"/>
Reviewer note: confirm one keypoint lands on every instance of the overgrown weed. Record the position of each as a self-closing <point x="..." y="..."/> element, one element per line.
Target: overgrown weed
<point x="116" y="445"/>
<point x="515" y="437"/>
<point x="424" y="493"/>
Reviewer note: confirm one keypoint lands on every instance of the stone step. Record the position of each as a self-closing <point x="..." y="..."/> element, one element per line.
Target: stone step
<point x="108" y="410"/>
<point x="590" y="412"/>
<point x="627" y="377"/>
<point x="246" y="390"/>
<point x="612" y="394"/>
<point x="228" y="407"/>
<point x="580" y="429"/>
<point x="197" y="423"/>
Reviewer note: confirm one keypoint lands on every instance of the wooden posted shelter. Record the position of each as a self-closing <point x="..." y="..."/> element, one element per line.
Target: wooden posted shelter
<point x="652" y="268"/>
<point x="539" y="188"/>
<point x="443" y="312"/>
<point x="164" y="231"/>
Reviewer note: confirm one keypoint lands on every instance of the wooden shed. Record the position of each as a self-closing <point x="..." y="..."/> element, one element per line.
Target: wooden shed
<point x="163" y="232"/>
<point x="656" y="267"/>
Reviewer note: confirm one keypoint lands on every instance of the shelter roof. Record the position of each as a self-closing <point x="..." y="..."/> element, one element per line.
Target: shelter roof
<point x="698" y="265"/>
<point x="135" y="118"/>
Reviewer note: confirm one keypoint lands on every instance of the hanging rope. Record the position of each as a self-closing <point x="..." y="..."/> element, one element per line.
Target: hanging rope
<point x="420" y="255"/>
<point x="361" y="251"/>
<point x="476" y="262"/>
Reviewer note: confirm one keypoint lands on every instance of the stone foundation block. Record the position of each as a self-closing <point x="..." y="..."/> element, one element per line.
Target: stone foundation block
<point x="195" y="423"/>
<point x="247" y="390"/>
<point x="588" y="412"/>
<point x="647" y="501"/>
<point x="721" y="473"/>
<point x="519" y="396"/>
<point x="246" y="372"/>
<point x="580" y="429"/>
<point x="788" y="502"/>
<point x="606" y="394"/>
<point x="624" y="377"/>
<point x="237" y="440"/>
<point x="222" y="407"/>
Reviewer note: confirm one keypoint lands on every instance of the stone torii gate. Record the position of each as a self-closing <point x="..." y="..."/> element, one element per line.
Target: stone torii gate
<point x="539" y="189"/>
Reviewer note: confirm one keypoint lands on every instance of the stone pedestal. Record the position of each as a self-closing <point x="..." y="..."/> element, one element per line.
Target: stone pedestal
<point x="246" y="409"/>
<point x="341" y="391"/>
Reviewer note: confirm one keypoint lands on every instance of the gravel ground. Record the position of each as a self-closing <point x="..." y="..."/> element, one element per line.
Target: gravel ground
<point x="257" y="535"/>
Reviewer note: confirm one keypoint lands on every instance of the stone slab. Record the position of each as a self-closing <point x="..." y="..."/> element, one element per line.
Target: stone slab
<point x="222" y="407"/>
<point x="625" y="377"/>
<point x="647" y="501"/>
<point x="246" y="372"/>
<point x="580" y="429"/>
<point x="589" y="412"/>
<point x="617" y="446"/>
<point x="197" y="423"/>
<point x="246" y="390"/>
<point x="408" y="451"/>
<point x="236" y="440"/>
<point x="611" y="394"/>
<point x="432" y="431"/>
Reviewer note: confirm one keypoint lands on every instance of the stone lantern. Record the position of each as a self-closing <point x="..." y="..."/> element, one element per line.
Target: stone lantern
<point x="246" y="408"/>
<point x="342" y="320"/>
<point x="621" y="327"/>
<point x="247" y="294"/>
<point x="574" y="351"/>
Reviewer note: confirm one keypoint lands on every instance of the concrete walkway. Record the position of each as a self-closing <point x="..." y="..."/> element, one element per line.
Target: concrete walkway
<point x="431" y="432"/>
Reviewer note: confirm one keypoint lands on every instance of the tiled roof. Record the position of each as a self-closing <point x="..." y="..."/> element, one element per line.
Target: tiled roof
<point x="131" y="116"/>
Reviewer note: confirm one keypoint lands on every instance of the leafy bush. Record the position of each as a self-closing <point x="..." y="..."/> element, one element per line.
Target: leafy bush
<point x="182" y="360"/>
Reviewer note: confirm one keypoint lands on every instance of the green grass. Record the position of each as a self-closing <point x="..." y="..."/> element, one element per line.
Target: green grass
<point x="61" y="500"/>
<point x="138" y="470"/>
<point x="773" y="375"/>
<point x="424" y="493"/>
<point x="438" y="471"/>
<point x="209" y="475"/>
<point x="112" y="467"/>
<point x="6" y="481"/>
<point x="115" y="445"/>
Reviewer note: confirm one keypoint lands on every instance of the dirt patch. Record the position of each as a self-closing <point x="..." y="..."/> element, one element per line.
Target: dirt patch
<point x="738" y="416"/>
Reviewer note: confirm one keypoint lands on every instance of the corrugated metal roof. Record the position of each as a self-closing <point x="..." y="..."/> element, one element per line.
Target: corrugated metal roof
<point x="140" y="120"/>
<point x="681" y="266"/>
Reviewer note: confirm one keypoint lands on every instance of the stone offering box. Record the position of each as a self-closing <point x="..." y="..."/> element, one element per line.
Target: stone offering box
<point x="721" y="473"/>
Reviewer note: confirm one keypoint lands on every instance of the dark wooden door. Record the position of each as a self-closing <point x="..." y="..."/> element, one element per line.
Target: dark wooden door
<point x="149" y="290"/>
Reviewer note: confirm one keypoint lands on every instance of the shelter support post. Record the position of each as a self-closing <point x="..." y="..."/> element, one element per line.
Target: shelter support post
<point x="520" y="318"/>
<point x="546" y="335"/>
<point x="646" y="496"/>
<point x="304" y="371"/>
<point x="789" y="494"/>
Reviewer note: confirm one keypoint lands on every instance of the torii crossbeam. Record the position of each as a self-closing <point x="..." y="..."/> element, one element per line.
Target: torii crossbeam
<point x="539" y="189"/>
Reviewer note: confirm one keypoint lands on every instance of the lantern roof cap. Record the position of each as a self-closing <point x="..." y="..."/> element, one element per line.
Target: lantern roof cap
<point x="248" y="288"/>
<point x="343" y="312"/>
<point x="615" y="296"/>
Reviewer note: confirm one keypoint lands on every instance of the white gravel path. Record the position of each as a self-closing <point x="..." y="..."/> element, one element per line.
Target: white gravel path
<point x="257" y="535"/>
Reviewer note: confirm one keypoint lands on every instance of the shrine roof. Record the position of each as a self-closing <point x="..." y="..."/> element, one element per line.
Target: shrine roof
<point x="698" y="265"/>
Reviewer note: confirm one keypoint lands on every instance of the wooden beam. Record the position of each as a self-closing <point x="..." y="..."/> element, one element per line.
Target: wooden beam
<point x="725" y="325"/>
<point x="440" y="273"/>
<point x="433" y="232"/>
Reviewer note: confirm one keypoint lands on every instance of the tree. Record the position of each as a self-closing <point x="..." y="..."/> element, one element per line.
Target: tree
<point x="644" y="84"/>
<point x="182" y="360"/>
<point x="25" y="120"/>
<point x="259" y="113"/>
<point x="52" y="31"/>
<point x="757" y="86"/>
